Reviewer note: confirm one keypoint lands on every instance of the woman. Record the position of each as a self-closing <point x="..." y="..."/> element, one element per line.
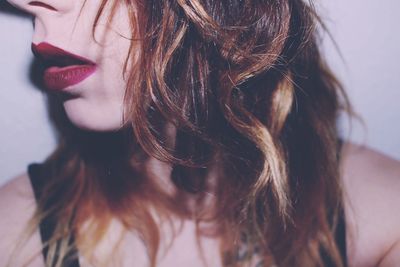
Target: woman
<point x="195" y="133"/>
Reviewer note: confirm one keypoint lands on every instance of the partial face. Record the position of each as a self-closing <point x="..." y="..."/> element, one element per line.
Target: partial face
<point x="86" y="68"/>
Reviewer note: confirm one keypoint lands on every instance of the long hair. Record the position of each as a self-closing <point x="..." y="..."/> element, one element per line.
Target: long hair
<point x="243" y="87"/>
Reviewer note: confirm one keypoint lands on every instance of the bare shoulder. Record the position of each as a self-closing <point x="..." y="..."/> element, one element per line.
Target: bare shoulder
<point x="17" y="205"/>
<point x="371" y="184"/>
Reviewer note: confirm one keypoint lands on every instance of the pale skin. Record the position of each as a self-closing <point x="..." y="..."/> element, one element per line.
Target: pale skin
<point x="371" y="181"/>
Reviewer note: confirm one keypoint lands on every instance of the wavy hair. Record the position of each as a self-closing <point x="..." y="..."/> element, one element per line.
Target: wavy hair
<point x="236" y="86"/>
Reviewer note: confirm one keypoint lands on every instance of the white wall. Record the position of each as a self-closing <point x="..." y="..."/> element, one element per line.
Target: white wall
<point x="367" y="33"/>
<point x="365" y="30"/>
<point x="25" y="134"/>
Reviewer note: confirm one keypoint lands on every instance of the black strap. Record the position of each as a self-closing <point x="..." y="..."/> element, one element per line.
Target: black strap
<point x="340" y="232"/>
<point x="48" y="224"/>
<point x="340" y="236"/>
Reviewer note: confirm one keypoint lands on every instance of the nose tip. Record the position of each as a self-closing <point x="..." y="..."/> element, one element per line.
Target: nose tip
<point x="42" y="4"/>
<point x="36" y="7"/>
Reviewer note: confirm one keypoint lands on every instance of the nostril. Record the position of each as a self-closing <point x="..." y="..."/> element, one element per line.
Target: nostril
<point x="41" y="4"/>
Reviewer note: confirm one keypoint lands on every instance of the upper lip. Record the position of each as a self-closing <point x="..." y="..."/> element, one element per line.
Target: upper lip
<point x="55" y="56"/>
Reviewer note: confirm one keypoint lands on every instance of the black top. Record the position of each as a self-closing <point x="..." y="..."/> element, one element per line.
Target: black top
<point x="47" y="226"/>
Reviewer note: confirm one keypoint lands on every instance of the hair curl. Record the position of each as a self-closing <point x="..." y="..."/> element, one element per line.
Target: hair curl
<point x="244" y="88"/>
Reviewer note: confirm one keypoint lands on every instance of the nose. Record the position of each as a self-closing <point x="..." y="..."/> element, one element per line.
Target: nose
<point x="51" y="16"/>
<point x="37" y="7"/>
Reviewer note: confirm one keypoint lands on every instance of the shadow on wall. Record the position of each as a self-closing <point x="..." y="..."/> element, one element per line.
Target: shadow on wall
<point x="7" y="8"/>
<point x="36" y="67"/>
<point x="55" y="109"/>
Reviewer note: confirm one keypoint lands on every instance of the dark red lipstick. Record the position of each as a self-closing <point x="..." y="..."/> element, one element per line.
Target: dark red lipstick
<point x="62" y="68"/>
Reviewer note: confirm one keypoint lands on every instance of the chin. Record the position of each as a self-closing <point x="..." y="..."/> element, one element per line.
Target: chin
<point x="99" y="118"/>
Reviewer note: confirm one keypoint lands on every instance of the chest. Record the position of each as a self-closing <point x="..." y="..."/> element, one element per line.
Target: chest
<point x="181" y="249"/>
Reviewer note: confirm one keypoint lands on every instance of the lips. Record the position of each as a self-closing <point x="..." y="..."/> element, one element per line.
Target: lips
<point x="62" y="68"/>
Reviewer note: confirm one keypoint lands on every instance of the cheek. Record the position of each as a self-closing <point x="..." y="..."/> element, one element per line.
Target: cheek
<point x="108" y="32"/>
<point x="100" y="106"/>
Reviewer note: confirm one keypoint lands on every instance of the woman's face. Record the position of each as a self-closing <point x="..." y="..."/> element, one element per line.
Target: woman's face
<point x="85" y="68"/>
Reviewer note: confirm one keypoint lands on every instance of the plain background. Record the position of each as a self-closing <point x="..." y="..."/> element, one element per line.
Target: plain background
<point x="366" y="32"/>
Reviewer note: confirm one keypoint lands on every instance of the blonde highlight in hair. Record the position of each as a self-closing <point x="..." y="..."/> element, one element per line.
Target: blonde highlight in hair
<point x="241" y="83"/>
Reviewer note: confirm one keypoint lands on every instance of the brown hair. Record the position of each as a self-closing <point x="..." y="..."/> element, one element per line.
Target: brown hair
<point x="244" y="88"/>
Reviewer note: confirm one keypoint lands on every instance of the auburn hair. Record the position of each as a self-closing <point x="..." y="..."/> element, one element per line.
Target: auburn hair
<point x="244" y="88"/>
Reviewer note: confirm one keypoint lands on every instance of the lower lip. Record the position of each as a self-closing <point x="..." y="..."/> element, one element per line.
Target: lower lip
<point x="59" y="78"/>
